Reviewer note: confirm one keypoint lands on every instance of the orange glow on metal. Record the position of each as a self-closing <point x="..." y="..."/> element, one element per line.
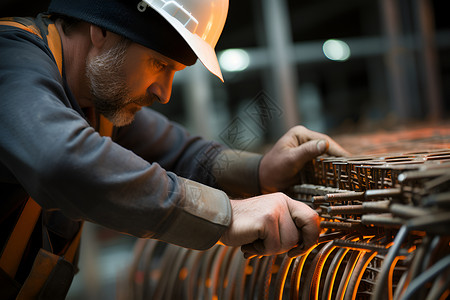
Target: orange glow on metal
<point x="336" y="270"/>
<point x="341" y="297"/>
<point x="275" y="269"/>
<point x="319" y="274"/>
<point x="283" y="279"/>
<point x="248" y="270"/>
<point x="208" y="282"/>
<point x="183" y="274"/>
<point x="360" y="275"/>
<point x="412" y="249"/>
<point x="301" y="264"/>
<point x="225" y="283"/>
<point x="330" y="292"/>
<point x="368" y="237"/>
<point x="391" y="275"/>
<point x="445" y="295"/>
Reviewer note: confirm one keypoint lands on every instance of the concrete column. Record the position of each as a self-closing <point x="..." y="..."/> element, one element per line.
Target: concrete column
<point x="431" y="76"/>
<point x="280" y="44"/>
<point x="395" y="61"/>
<point x="198" y="97"/>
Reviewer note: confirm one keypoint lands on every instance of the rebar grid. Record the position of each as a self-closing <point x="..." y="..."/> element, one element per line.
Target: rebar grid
<point x="385" y="235"/>
<point x="367" y="172"/>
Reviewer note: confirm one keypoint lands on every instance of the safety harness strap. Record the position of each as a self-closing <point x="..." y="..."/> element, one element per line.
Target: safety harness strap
<point x="18" y="240"/>
<point x="13" y="22"/>
<point x="54" y="43"/>
<point x="105" y="127"/>
<point x="51" y="275"/>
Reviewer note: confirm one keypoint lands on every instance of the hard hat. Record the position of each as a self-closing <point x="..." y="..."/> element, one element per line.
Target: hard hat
<point x="199" y="22"/>
<point x="183" y="30"/>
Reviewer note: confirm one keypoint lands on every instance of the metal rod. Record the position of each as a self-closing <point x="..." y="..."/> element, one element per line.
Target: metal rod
<point x="361" y="246"/>
<point x="339" y="197"/>
<point x="345" y="209"/>
<point x="383" y="221"/>
<point x="382" y="193"/>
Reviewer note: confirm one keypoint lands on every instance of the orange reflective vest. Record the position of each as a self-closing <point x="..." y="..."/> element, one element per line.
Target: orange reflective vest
<point x="51" y="275"/>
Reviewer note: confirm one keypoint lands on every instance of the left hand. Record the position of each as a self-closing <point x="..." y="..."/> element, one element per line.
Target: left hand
<point x="280" y="167"/>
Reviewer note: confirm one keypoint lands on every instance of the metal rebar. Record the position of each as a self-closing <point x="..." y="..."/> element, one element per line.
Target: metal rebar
<point x="345" y="209"/>
<point x="441" y="200"/>
<point x="382" y="220"/>
<point x="376" y="206"/>
<point x="382" y="193"/>
<point x="318" y="200"/>
<point x="437" y="182"/>
<point x="407" y="211"/>
<point x="361" y="246"/>
<point x="341" y="225"/>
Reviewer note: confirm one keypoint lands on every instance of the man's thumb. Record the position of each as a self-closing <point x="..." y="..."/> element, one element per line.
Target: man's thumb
<point x="322" y="146"/>
<point x="310" y="150"/>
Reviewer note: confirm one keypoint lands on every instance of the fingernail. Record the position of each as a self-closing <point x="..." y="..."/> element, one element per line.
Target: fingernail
<point x="321" y="146"/>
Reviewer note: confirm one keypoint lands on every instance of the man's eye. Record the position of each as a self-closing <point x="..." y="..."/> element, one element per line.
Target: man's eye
<point x="158" y="65"/>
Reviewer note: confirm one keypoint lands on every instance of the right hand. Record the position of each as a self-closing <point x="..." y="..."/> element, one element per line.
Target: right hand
<point x="272" y="224"/>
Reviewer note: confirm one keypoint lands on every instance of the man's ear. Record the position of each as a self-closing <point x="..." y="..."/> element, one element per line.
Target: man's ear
<point x="98" y="36"/>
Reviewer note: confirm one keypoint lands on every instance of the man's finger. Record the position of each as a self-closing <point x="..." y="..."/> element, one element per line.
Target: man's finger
<point x="310" y="150"/>
<point x="308" y="225"/>
<point x="255" y="248"/>
<point x="304" y="134"/>
<point x="310" y="233"/>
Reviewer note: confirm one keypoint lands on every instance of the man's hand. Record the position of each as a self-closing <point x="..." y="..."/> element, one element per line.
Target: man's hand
<point x="280" y="167"/>
<point x="272" y="224"/>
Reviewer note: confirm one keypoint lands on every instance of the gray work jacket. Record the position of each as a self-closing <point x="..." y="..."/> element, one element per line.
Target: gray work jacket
<point x="152" y="179"/>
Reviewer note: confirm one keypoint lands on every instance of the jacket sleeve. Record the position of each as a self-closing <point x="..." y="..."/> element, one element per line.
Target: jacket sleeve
<point x="63" y="163"/>
<point x="155" y="138"/>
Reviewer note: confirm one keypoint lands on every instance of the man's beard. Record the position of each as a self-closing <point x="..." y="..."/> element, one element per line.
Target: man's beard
<point x="107" y="81"/>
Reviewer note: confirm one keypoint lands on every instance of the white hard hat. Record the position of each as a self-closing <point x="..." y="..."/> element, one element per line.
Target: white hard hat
<point x="199" y="22"/>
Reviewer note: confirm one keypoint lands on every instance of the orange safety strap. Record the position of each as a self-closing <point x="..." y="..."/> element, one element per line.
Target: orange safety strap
<point x="54" y="43"/>
<point x="71" y="251"/>
<point x="15" y="247"/>
<point x="106" y="127"/>
<point x="18" y="240"/>
<point x="53" y="38"/>
<point x="42" y="268"/>
<point x="11" y="22"/>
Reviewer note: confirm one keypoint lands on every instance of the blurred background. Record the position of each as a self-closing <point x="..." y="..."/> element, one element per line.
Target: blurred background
<point x="339" y="67"/>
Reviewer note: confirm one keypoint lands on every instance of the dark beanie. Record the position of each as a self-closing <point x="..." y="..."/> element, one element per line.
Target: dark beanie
<point x="147" y="28"/>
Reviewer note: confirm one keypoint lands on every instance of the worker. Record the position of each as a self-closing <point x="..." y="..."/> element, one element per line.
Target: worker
<point x="79" y="143"/>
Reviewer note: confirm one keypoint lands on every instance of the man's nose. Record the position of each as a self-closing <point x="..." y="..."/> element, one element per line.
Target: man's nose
<point x="162" y="87"/>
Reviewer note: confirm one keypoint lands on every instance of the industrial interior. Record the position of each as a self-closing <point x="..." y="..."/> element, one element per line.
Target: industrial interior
<point x="372" y="74"/>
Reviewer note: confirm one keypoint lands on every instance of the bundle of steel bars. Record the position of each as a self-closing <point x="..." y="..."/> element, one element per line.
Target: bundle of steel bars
<point x="385" y="223"/>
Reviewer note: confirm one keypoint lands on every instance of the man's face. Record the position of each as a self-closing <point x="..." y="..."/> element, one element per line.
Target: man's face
<point x="127" y="77"/>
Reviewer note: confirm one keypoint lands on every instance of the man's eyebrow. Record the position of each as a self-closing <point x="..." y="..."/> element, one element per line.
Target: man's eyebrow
<point x="170" y="62"/>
